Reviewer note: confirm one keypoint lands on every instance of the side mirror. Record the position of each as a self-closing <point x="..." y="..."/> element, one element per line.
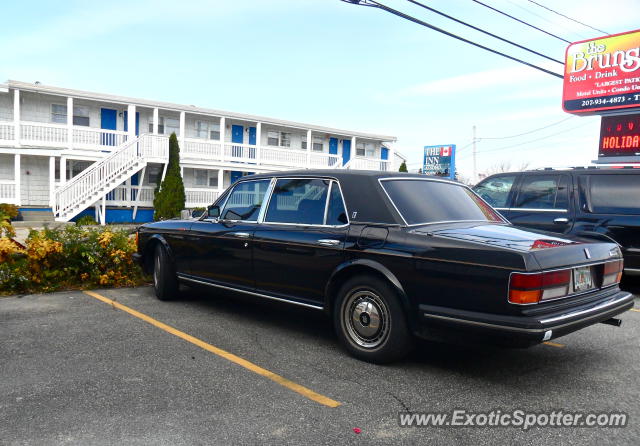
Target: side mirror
<point x="213" y="211"/>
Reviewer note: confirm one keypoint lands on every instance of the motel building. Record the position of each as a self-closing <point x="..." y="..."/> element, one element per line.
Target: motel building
<point x="66" y="153"/>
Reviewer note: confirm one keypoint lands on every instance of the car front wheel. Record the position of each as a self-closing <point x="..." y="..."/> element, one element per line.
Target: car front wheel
<point x="165" y="282"/>
<point x="370" y="321"/>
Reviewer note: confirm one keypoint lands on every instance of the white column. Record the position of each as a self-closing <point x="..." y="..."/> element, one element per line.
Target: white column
<point x="223" y="132"/>
<point x="70" y="122"/>
<point x="258" y="141"/>
<point x="16" y="116"/>
<point x="156" y="118"/>
<point x="182" y="130"/>
<point x="63" y="170"/>
<point x="52" y="180"/>
<point x="131" y="122"/>
<point x="309" y="145"/>
<point x="220" y="180"/>
<point x="16" y="176"/>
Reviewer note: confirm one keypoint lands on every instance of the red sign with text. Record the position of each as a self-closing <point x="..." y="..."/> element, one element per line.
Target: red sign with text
<point x="602" y="74"/>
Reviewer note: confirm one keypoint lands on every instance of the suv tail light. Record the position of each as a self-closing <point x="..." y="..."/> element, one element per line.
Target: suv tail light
<point x="612" y="273"/>
<point x="532" y="288"/>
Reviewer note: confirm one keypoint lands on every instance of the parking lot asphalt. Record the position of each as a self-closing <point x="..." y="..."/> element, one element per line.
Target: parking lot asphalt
<point x="79" y="370"/>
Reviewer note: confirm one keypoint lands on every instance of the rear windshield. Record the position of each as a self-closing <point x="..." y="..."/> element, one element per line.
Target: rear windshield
<point x="424" y="201"/>
<point x="615" y="194"/>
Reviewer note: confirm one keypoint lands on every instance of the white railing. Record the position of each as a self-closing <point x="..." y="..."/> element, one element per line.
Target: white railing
<point x="41" y="134"/>
<point x="324" y="160"/>
<point x="102" y="174"/>
<point x="87" y="137"/>
<point x="201" y="148"/>
<point x="126" y="196"/>
<point x="8" y="192"/>
<point x="283" y="157"/>
<point x="7" y="131"/>
<point x="154" y="146"/>
<point x="240" y="152"/>
<point x="359" y="163"/>
<point x="200" y="197"/>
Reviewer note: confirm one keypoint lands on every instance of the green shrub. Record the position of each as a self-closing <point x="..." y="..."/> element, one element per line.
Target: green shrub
<point x="403" y="167"/>
<point x="86" y="220"/>
<point x="73" y="257"/>
<point x="170" y="198"/>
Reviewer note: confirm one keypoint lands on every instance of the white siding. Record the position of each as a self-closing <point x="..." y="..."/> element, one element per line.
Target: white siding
<point x="6" y="106"/>
<point x="34" y="180"/>
<point x="7" y="169"/>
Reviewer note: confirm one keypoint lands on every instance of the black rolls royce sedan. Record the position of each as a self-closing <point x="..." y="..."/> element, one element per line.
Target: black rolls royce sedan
<point x="388" y="256"/>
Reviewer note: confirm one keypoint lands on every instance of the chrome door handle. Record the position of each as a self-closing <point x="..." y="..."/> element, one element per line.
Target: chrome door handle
<point x="241" y="234"/>
<point x="561" y="220"/>
<point x="328" y="242"/>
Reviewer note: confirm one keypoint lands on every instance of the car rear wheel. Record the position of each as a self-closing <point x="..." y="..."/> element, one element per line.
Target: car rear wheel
<point x="370" y="321"/>
<point x="165" y="281"/>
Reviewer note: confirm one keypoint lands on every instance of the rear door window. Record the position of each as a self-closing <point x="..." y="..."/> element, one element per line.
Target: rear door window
<point x="495" y="190"/>
<point x="543" y="192"/>
<point x="298" y="200"/>
<point x="615" y="194"/>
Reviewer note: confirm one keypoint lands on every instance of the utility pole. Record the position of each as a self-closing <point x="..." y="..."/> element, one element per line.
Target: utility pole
<point x="475" y="172"/>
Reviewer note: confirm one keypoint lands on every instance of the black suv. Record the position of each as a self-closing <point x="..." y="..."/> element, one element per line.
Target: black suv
<point x="594" y="202"/>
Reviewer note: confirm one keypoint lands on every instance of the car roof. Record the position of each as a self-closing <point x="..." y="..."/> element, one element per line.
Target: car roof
<point x="629" y="170"/>
<point x="366" y="201"/>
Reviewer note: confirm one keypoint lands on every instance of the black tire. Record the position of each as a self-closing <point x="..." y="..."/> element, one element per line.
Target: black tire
<point x="370" y="322"/>
<point x="165" y="281"/>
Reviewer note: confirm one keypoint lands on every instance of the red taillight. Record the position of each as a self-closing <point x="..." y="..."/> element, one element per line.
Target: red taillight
<point x="532" y="288"/>
<point x="612" y="272"/>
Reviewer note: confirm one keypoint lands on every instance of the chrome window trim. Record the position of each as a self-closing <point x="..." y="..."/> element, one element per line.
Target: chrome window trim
<point x="307" y="225"/>
<point x="597" y="262"/>
<point x="435" y="180"/>
<point x="537" y="210"/>
<point x="326" y="203"/>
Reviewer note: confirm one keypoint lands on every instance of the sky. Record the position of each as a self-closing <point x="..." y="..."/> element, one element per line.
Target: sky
<point x="330" y="63"/>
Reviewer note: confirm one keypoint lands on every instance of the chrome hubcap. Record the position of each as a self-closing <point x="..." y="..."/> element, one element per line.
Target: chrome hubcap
<point x="366" y="319"/>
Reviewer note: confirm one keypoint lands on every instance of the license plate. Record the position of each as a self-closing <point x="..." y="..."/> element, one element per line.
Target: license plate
<point x="582" y="279"/>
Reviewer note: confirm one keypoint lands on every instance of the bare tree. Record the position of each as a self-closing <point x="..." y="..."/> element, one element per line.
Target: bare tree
<point x="505" y="166"/>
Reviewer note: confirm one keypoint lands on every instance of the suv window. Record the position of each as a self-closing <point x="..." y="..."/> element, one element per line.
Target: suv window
<point x="300" y="201"/>
<point x="495" y="190"/>
<point x="543" y="192"/>
<point x="245" y="200"/>
<point x="615" y="194"/>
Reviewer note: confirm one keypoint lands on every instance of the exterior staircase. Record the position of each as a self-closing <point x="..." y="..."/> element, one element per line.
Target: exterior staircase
<point x="103" y="176"/>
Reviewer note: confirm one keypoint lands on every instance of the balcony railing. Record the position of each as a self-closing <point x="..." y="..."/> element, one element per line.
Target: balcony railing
<point x="126" y="196"/>
<point x="359" y="163"/>
<point x="8" y="192"/>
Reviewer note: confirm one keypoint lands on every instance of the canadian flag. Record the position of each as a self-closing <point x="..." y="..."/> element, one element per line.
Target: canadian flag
<point x="445" y="151"/>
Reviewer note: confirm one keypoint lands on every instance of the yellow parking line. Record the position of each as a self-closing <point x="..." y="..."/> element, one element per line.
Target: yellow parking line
<point x="553" y="344"/>
<point x="308" y="393"/>
<point x="635" y="309"/>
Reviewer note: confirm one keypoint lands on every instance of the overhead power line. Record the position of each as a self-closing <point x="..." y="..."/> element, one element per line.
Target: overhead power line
<point x="485" y="32"/>
<point x="521" y="21"/>
<point x="447" y="33"/>
<point x="530" y="131"/>
<point x="567" y="17"/>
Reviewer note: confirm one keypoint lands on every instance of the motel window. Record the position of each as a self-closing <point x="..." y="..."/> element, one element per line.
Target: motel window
<point x="59" y="113"/>
<point x="360" y="149"/>
<point x="285" y="139"/>
<point x="304" y="142"/>
<point x="160" y="125"/>
<point x="214" y="131"/>
<point x="365" y="149"/>
<point x="154" y="174"/>
<point x="81" y="116"/>
<point x="171" y="125"/>
<point x="213" y="178"/>
<point x="272" y="139"/>
<point x="207" y="130"/>
<point x="201" y="177"/>
<point x="318" y="146"/>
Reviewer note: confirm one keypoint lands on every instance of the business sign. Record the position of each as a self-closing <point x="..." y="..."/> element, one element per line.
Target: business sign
<point x="440" y="161"/>
<point x="620" y="136"/>
<point x="602" y="74"/>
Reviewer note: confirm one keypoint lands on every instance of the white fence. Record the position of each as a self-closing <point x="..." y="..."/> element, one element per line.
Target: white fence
<point x="8" y="192"/>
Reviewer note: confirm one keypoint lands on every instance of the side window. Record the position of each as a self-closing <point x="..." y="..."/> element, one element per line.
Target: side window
<point x="543" y="192"/>
<point x="336" y="213"/>
<point x="301" y="201"/>
<point x="615" y="194"/>
<point x="245" y="200"/>
<point x="495" y="191"/>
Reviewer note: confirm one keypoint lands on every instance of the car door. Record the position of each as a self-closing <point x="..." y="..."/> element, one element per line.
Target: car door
<point x="543" y="201"/>
<point x="301" y="240"/>
<point x="221" y="247"/>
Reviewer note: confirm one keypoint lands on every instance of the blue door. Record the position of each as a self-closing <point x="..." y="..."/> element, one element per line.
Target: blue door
<point x="384" y="153"/>
<point x="237" y="136"/>
<point x="252" y="135"/>
<point x="235" y="176"/>
<point x="126" y="122"/>
<point x="346" y="151"/>
<point x="108" y="121"/>
<point x="333" y="146"/>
